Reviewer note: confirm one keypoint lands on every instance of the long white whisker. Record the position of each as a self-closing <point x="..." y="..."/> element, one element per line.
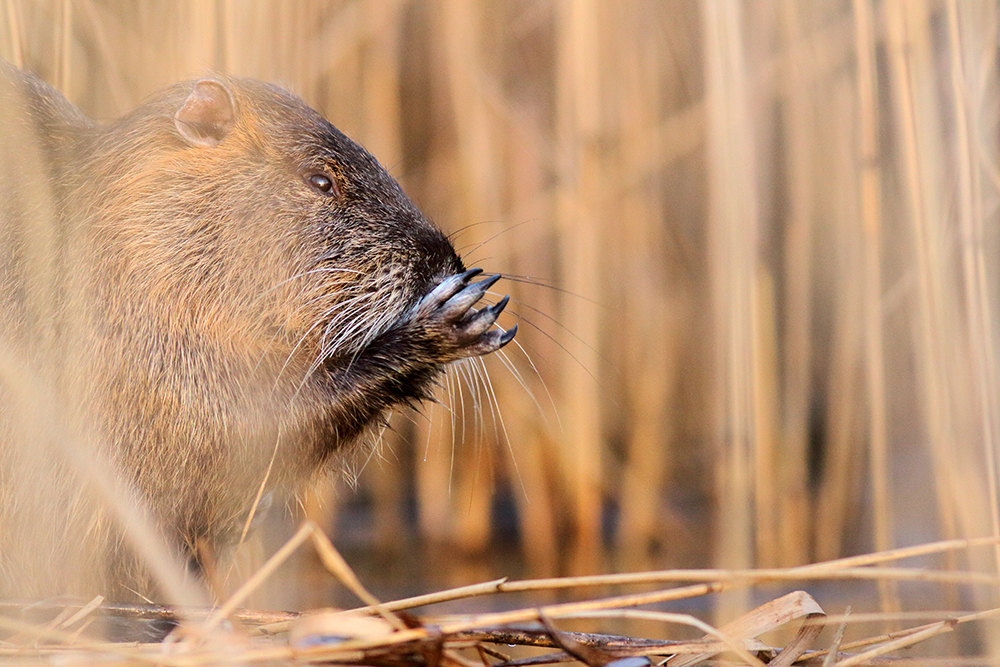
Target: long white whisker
<point x="328" y="348"/>
<point x="461" y="370"/>
<point x="478" y="368"/>
<point x="377" y="445"/>
<point x="503" y="427"/>
<point x="472" y="375"/>
<point x="430" y="431"/>
<point x="479" y="416"/>
<point x="510" y="366"/>
<point x="303" y="274"/>
<point x="295" y="312"/>
<point x="552" y="338"/>
<point x="291" y="353"/>
<point x="453" y="399"/>
<point x="461" y="402"/>
<point x="375" y="329"/>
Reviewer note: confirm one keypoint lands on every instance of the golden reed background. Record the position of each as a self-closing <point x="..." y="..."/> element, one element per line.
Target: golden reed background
<point x="753" y="249"/>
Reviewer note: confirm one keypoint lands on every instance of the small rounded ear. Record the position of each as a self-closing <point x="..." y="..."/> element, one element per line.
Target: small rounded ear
<point x="207" y="114"/>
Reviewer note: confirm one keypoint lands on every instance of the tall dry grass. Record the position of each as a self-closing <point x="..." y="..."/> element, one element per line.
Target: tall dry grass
<point x="752" y="248"/>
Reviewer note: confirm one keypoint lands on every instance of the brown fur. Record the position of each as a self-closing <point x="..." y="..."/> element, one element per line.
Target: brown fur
<point x="183" y="305"/>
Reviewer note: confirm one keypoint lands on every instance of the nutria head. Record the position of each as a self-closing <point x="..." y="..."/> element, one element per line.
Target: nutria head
<point x="253" y="216"/>
<point x="255" y="277"/>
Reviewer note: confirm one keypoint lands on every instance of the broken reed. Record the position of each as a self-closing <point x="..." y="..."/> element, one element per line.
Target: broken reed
<point x="753" y="245"/>
<point x="379" y="635"/>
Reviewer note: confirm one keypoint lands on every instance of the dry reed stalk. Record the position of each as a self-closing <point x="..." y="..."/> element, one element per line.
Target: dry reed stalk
<point x="791" y="513"/>
<point x="970" y="50"/>
<point x="580" y="175"/>
<point x="94" y="19"/>
<point x="388" y="489"/>
<point x="954" y="405"/>
<point x="473" y="500"/>
<point x="675" y="137"/>
<point x="536" y="507"/>
<point x="527" y="372"/>
<point x="381" y="103"/>
<point x="842" y="475"/>
<point x="652" y="363"/>
<point x="921" y="155"/>
<point x="13" y="28"/>
<point x="733" y="244"/>
<point x="203" y="643"/>
<point x="975" y="279"/>
<point x="770" y="478"/>
<point x="199" y="33"/>
<point x="64" y="42"/>
<point x="478" y="185"/>
<point x="873" y="313"/>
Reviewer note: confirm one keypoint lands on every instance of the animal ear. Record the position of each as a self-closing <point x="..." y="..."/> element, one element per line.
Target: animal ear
<point x="207" y="114"/>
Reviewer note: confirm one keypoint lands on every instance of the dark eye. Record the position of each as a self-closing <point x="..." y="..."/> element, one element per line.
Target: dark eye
<point x="322" y="182"/>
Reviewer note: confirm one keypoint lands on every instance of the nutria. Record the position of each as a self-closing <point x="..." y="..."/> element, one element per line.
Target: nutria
<point x="212" y="296"/>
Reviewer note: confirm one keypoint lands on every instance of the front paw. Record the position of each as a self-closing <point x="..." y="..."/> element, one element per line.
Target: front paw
<point x="447" y="315"/>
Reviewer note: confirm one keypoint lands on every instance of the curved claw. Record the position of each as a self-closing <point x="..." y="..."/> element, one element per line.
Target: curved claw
<point x="469" y="274"/>
<point x="460" y="303"/>
<point x="450" y="286"/>
<point x="508" y="336"/>
<point x="479" y="322"/>
<point x="447" y="314"/>
<point x="498" y="307"/>
<point x="490" y="341"/>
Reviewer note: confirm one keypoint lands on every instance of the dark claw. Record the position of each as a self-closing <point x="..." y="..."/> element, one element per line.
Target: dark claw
<point x="498" y="338"/>
<point x="496" y="309"/>
<point x="508" y="335"/>
<point x="486" y="283"/>
<point x="448" y="288"/>
<point x="479" y="322"/>
<point x="450" y="305"/>
<point x="459" y="304"/>
<point x="491" y="341"/>
<point x="469" y="275"/>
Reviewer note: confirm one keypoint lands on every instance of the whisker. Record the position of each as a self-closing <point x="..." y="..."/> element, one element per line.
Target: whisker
<point x="375" y="328"/>
<point x="267" y="347"/>
<point x="512" y="368"/>
<point x="477" y="246"/>
<point x="554" y="321"/>
<point x="288" y="358"/>
<point x="521" y="318"/>
<point x="303" y="274"/>
<point x="325" y="352"/>
<point x="371" y="454"/>
<point x="461" y="402"/>
<point x="498" y="417"/>
<point x="528" y="280"/>
<point x="430" y="431"/>
<point x="483" y="398"/>
<point x="454" y="235"/>
<point x="540" y="281"/>
<point x="454" y="434"/>
<point x="364" y="321"/>
<point x="475" y="368"/>
<point x="462" y="369"/>
<point x="320" y="319"/>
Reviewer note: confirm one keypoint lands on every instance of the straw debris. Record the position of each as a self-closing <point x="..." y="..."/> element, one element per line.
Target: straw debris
<point x="391" y="634"/>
